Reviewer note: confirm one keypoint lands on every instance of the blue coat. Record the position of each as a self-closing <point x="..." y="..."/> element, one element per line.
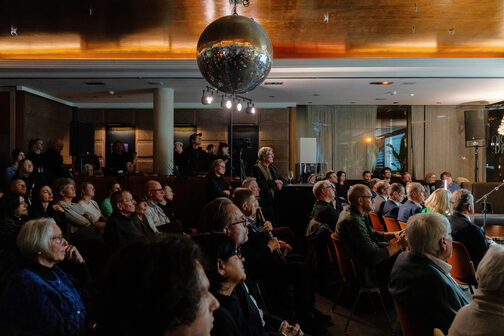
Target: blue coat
<point x="390" y="209"/>
<point x="417" y="282"/>
<point x="407" y="210"/>
<point x="470" y="235"/>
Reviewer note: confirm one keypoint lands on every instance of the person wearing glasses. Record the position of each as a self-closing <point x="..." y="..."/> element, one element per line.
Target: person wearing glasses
<point x="157" y="218"/>
<point x="392" y="205"/>
<point x="414" y="204"/>
<point x="41" y="299"/>
<point x="374" y="257"/>
<point x="420" y="278"/>
<point x="238" y="313"/>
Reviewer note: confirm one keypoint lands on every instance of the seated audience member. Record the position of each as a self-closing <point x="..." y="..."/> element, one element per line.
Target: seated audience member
<point x="381" y="196"/>
<point x="106" y="206"/>
<point x="406" y="179"/>
<point x="18" y="186"/>
<point x="269" y="181"/>
<point x="430" y="183"/>
<point x="44" y="207"/>
<point x="332" y="178"/>
<point x="120" y="227"/>
<point x="396" y="196"/>
<point x="421" y="279"/>
<point x="372" y="186"/>
<point x="342" y="187"/>
<point x="438" y="201"/>
<point x="158" y="220"/>
<point x="463" y="230"/>
<point x="366" y="177"/>
<point x="88" y="170"/>
<point x="41" y="299"/>
<point x="485" y="314"/>
<point x="386" y="174"/>
<point x="80" y="223"/>
<point x="216" y="186"/>
<point x="452" y="186"/>
<point x="157" y="286"/>
<point x="17" y="155"/>
<point x="373" y="261"/>
<point x="14" y="214"/>
<point x="324" y="211"/>
<point x="311" y="179"/>
<point x="167" y="203"/>
<point x="223" y="153"/>
<point x="139" y="218"/>
<point x="89" y="205"/>
<point x="416" y="197"/>
<point x="238" y="314"/>
<point x="32" y="179"/>
<point x="251" y="184"/>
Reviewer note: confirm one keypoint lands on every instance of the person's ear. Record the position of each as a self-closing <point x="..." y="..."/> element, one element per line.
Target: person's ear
<point x="221" y="268"/>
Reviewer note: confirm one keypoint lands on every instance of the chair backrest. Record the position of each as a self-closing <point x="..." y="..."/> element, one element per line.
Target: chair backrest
<point x="462" y="266"/>
<point x="402" y="225"/>
<point x="331" y="250"/>
<point x="375" y="220"/>
<point x="344" y="258"/>
<point x="392" y="226"/>
<point x="494" y="230"/>
<point x="414" y="322"/>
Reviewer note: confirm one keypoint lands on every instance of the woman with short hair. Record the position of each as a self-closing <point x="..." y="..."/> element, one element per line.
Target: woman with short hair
<point x="216" y="185"/>
<point x="439" y="201"/>
<point x="41" y="299"/>
<point x="14" y="212"/>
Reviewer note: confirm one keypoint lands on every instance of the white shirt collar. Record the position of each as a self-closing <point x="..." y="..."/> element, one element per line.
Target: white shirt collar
<point x="445" y="267"/>
<point x="396" y="203"/>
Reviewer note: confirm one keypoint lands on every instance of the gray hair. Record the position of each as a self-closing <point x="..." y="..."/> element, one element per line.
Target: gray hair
<point x="396" y="187"/>
<point x="60" y="185"/>
<point x="246" y="183"/>
<point x="86" y="168"/>
<point x="34" y="236"/>
<point x="263" y="151"/>
<point x="490" y="273"/>
<point x="413" y="187"/>
<point x="424" y="232"/>
<point x="461" y="199"/>
<point x="319" y="186"/>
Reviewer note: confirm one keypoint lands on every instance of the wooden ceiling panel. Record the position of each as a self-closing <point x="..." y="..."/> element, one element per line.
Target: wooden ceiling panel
<point x="170" y="29"/>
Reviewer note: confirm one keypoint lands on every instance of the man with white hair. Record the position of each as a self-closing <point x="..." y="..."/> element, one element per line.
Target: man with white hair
<point x="416" y="196"/>
<point x="324" y="211"/>
<point x="420" y="278"/>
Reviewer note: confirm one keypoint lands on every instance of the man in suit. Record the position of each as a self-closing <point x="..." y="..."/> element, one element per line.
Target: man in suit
<point x="463" y="230"/>
<point x="416" y="197"/>
<point x="421" y="279"/>
<point x="396" y="196"/>
<point x="373" y="258"/>
<point x="382" y="188"/>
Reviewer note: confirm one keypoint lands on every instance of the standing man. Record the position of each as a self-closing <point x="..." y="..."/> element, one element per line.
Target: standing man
<point x="54" y="159"/>
<point x="269" y="182"/>
<point x="178" y="156"/>
<point x="392" y="205"/>
<point x="373" y="260"/>
<point x="195" y="158"/>
<point x="36" y="146"/>
<point x="416" y="197"/>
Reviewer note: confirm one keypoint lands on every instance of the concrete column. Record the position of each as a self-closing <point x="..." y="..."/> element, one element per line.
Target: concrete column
<point x="163" y="131"/>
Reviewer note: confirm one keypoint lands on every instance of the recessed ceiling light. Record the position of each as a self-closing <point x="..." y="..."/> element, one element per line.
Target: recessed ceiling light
<point x="438" y="103"/>
<point x="395" y="103"/>
<point x="155" y="83"/>
<point x="273" y="83"/>
<point x="94" y="83"/>
<point x="316" y="95"/>
<point x="380" y="98"/>
<point x="408" y="83"/>
<point x="272" y="96"/>
<point x="111" y="92"/>
<point x="381" y="83"/>
<point x="412" y="94"/>
<point x="309" y="102"/>
<point x="352" y="102"/>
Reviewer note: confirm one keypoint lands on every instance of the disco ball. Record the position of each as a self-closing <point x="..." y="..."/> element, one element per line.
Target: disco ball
<point x="234" y="54"/>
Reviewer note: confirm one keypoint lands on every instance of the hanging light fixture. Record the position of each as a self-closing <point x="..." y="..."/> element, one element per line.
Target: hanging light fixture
<point x="234" y="53"/>
<point x="250" y="109"/>
<point x="207" y="97"/>
<point x="500" y="130"/>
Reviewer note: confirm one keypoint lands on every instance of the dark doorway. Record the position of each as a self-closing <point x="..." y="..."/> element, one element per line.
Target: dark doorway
<point x="245" y="147"/>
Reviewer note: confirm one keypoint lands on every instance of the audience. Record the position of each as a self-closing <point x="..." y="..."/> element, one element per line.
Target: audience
<point x="195" y="158"/>
<point x="216" y="186"/>
<point x="382" y="188"/>
<point x="386" y="174"/>
<point x="421" y="279"/>
<point x="88" y="170"/>
<point x="238" y="314"/>
<point x="44" y="207"/>
<point x="332" y="178"/>
<point x="251" y="184"/>
<point x="430" y="183"/>
<point x="463" y="230"/>
<point x="139" y="218"/>
<point x="416" y="197"/>
<point x="342" y="187"/>
<point x="373" y="259"/>
<point x="366" y="177"/>
<point x="155" y="215"/>
<point x="269" y="181"/>
<point x="392" y="205"/>
<point x="16" y="156"/>
<point x="325" y="212"/>
<point x="406" y="179"/>
<point x="178" y="157"/>
<point x="438" y="201"/>
<point x="372" y="186"/>
<point x="41" y="299"/>
<point x="485" y="314"/>
<point x="54" y="159"/>
<point x="106" y="206"/>
<point x="118" y="158"/>
<point x="89" y="205"/>
<point x="14" y="214"/>
<point x="157" y="286"/>
<point x="167" y="204"/>
<point x="36" y="156"/>
<point x="452" y="186"/>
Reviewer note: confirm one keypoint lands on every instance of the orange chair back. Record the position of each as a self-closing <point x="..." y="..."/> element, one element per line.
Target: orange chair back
<point x="331" y="251"/>
<point x="462" y="266"/>
<point x="392" y="226"/>
<point x="402" y="225"/>
<point x="414" y="322"/>
<point x="375" y="220"/>
<point x="344" y="259"/>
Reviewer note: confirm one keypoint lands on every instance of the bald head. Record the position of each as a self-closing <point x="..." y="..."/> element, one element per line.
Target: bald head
<point x="153" y="191"/>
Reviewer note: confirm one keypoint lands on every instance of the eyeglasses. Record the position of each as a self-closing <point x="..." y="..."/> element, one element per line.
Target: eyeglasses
<point x="236" y="253"/>
<point x="243" y="221"/>
<point x="58" y="239"/>
<point x="156" y="190"/>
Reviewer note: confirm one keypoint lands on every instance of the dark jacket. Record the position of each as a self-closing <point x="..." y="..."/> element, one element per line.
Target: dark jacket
<point x="390" y="209"/>
<point x="470" y="235"/>
<point x="417" y="282"/>
<point x="408" y="209"/>
<point x="268" y="195"/>
<point x="195" y="161"/>
<point x="215" y="187"/>
<point x="119" y="230"/>
<point x="325" y="213"/>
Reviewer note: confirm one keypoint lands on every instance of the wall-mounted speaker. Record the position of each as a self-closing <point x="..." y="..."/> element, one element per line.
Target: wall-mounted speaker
<point x="476" y="127"/>
<point x="81" y="138"/>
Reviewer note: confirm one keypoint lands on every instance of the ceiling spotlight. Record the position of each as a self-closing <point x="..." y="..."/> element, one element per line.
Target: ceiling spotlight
<point x="251" y="109"/>
<point x="369" y="139"/>
<point x="381" y="83"/>
<point x="229" y="104"/>
<point x="411" y="94"/>
<point x="239" y="106"/>
<point x="207" y="98"/>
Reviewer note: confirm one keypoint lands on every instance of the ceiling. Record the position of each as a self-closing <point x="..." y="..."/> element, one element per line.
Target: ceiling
<point x="326" y="52"/>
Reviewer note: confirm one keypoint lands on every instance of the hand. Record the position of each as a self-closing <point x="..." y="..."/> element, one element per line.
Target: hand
<point x="227" y="192"/>
<point x="71" y="253"/>
<point x="57" y="207"/>
<point x="267" y="226"/>
<point x="401" y="240"/>
<point x="289" y="330"/>
<point x="274" y="244"/>
<point x="398" y="234"/>
<point x="279" y="184"/>
<point x="285" y="246"/>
